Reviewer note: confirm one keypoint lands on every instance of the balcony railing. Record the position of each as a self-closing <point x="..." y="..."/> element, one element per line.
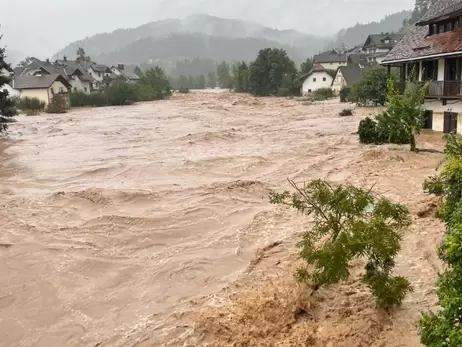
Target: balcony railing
<point x="438" y="89"/>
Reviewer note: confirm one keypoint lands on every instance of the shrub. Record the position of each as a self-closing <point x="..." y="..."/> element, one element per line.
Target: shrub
<point x="443" y="327"/>
<point x="323" y="94"/>
<point x="144" y="92"/>
<point x="98" y="99"/>
<point x="31" y="106"/>
<point x="372" y="88"/>
<point x="349" y="222"/>
<point x="160" y="86"/>
<point x="120" y="93"/>
<point x="345" y="94"/>
<point x="57" y="104"/>
<point x="95" y="99"/>
<point x="346" y="112"/>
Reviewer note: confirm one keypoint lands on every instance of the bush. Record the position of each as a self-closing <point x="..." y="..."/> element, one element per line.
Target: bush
<point x="443" y="327"/>
<point x="160" y="86"/>
<point x="349" y="222"/>
<point x="372" y="88"/>
<point x="346" y="112"/>
<point x="120" y="93"/>
<point x="345" y="94"/>
<point x="31" y="106"/>
<point x="323" y="94"/>
<point x="57" y="104"/>
<point x="80" y="99"/>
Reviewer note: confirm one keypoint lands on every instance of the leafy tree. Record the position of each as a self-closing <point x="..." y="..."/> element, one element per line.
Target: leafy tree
<point x="407" y="108"/>
<point x="240" y="77"/>
<point x="349" y="222"/>
<point x="7" y="105"/>
<point x="120" y="93"/>
<point x="272" y="73"/>
<point x="372" y="88"/>
<point x="57" y="104"/>
<point x="306" y="66"/>
<point x="420" y="8"/>
<point x="211" y="80"/>
<point x="224" y="76"/>
<point x="138" y="71"/>
<point x="29" y="60"/>
<point x="156" y="79"/>
<point x="81" y="55"/>
<point x="200" y="82"/>
<point x="183" y="82"/>
<point x="353" y="224"/>
<point x="323" y="94"/>
<point x="443" y="327"/>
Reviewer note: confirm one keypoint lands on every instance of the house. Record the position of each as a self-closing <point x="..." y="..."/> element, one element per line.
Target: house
<point x="99" y="72"/>
<point x="377" y="46"/>
<point x="331" y="60"/>
<point x="432" y="51"/>
<point x="43" y="87"/>
<point x="127" y="73"/>
<point x="79" y="79"/>
<point x="317" y="78"/>
<point x="346" y="76"/>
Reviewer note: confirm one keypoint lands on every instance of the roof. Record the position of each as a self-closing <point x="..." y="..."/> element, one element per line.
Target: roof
<point x="316" y="68"/>
<point x="351" y="73"/>
<point x="358" y="58"/>
<point x="443" y="10"/>
<point x="38" y="82"/>
<point x="377" y="40"/>
<point x="330" y="57"/>
<point x="127" y="72"/>
<point x="18" y="70"/>
<point x="416" y="45"/>
<point x="100" y="68"/>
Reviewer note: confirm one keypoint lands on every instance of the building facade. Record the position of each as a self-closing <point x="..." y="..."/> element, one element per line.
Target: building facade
<point x="316" y="79"/>
<point x="377" y="46"/>
<point x="432" y="52"/>
<point x="331" y="60"/>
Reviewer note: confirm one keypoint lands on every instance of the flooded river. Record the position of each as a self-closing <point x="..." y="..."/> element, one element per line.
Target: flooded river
<point x="113" y="219"/>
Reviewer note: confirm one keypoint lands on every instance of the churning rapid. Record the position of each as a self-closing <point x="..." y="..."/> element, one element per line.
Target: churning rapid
<point x="114" y="220"/>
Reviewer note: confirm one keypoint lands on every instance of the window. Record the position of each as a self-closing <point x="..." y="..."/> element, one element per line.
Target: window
<point x="309" y="90"/>
<point x="99" y="74"/>
<point x="61" y="89"/>
<point x="443" y="26"/>
<point x="387" y="41"/>
<point x="324" y="79"/>
<point x="90" y="73"/>
<point x="314" y="79"/>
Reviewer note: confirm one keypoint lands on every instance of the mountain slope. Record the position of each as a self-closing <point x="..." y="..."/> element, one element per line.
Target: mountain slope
<point x="357" y="34"/>
<point x="180" y="46"/>
<point x="101" y="44"/>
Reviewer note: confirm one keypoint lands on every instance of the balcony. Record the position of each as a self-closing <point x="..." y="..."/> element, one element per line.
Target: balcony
<point x="438" y="89"/>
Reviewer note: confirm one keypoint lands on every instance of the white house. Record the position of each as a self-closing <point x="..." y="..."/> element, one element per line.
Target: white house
<point x="346" y="76"/>
<point x="317" y="78"/>
<point x="377" y="46"/>
<point x="331" y="60"/>
<point x="99" y="72"/>
<point x="127" y="73"/>
<point x="43" y="87"/>
<point x="432" y="50"/>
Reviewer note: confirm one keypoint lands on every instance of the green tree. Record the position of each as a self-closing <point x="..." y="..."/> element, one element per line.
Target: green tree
<point x="81" y="55"/>
<point x="138" y="71"/>
<point x="372" y="88"/>
<point x="156" y="79"/>
<point x="443" y="328"/>
<point x="120" y="93"/>
<point x="272" y="73"/>
<point x="224" y="76"/>
<point x="7" y="105"/>
<point x="306" y="66"/>
<point x="349" y="222"/>
<point x="29" y="60"/>
<point x="407" y="108"/>
<point x="211" y="80"/>
<point x="183" y="82"/>
<point x="200" y="82"/>
<point x="240" y="78"/>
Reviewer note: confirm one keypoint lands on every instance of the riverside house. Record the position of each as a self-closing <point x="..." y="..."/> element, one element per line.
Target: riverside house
<point x="433" y="50"/>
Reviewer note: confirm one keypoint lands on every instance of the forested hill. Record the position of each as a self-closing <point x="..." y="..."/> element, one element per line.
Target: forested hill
<point x="357" y="34"/>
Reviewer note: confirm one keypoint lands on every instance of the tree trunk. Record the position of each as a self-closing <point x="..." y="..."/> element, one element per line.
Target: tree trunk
<point x="412" y="141"/>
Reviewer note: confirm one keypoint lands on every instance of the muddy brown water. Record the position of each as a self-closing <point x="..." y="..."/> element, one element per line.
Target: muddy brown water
<point x="114" y="218"/>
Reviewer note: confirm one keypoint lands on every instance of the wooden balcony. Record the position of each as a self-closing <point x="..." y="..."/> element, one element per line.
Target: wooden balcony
<point x="438" y="89"/>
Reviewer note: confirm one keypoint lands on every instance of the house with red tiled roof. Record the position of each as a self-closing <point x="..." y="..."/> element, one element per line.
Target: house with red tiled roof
<point x="319" y="77"/>
<point x="432" y="51"/>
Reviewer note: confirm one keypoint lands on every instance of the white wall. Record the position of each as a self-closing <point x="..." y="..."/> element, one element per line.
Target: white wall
<point x="323" y="80"/>
<point x="80" y="85"/>
<point x="338" y="82"/>
<point x="97" y="76"/>
<point x="116" y="71"/>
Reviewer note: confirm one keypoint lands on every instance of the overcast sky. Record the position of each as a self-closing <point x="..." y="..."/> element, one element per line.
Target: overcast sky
<point x="41" y="28"/>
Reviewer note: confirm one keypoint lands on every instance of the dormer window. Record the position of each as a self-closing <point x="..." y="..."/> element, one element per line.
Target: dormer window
<point x="443" y="26"/>
<point x="387" y="41"/>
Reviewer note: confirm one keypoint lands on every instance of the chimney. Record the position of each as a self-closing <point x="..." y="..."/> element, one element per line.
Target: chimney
<point x="48" y="61"/>
<point x="121" y="67"/>
<point x="65" y="58"/>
